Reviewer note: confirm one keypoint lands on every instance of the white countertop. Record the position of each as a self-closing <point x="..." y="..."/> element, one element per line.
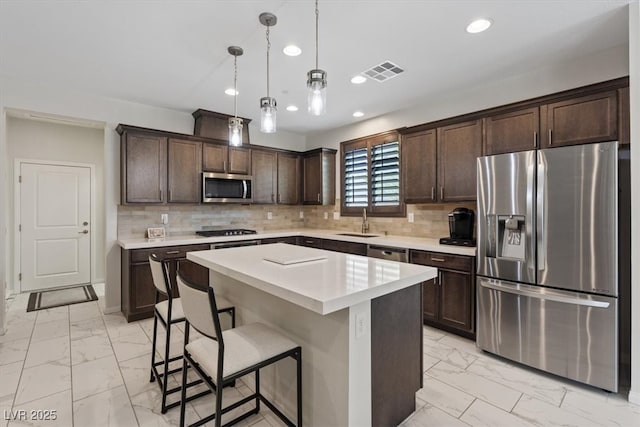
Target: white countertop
<point x="330" y="284"/>
<point x="419" y="243"/>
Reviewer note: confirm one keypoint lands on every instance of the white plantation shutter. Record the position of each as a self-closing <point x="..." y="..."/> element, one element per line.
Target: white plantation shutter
<point x="385" y="174"/>
<point x="356" y="193"/>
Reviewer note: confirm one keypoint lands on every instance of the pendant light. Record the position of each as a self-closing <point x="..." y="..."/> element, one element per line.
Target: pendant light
<point x="317" y="83"/>
<point x="268" y="104"/>
<point x="235" y="122"/>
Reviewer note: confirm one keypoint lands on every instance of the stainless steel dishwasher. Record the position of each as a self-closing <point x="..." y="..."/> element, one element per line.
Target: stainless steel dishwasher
<point x="386" y="252"/>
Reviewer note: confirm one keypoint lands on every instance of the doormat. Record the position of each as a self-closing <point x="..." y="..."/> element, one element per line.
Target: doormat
<point x="59" y="297"/>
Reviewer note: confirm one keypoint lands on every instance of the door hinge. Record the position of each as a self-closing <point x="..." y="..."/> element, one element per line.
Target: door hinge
<point x="20" y="277"/>
<point x="19" y="227"/>
<point x="20" y="179"/>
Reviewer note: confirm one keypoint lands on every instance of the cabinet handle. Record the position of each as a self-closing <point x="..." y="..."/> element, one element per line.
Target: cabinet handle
<point x="441" y="193"/>
<point x="433" y="193"/>
<point x="437" y="259"/>
<point x="279" y="198"/>
<point x="535" y="139"/>
<point x="172" y="252"/>
<point x="224" y="165"/>
<point x="272" y="198"/>
<point x="310" y="241"/>
<point x="169" y="195"/>
<point x="439" y="278"/>
<point x="550" y="140"/>
<point x="160" y="194"/>
<point x="318" y="197"/>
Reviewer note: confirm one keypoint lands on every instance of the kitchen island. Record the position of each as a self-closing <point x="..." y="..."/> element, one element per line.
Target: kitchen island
<point x="358" y="320"/>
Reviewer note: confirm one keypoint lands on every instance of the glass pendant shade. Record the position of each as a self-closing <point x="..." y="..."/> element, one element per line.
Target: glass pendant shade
<point x="317" y="96"/>
<point x="235" y="131"/>
<point x="268" y="114"/>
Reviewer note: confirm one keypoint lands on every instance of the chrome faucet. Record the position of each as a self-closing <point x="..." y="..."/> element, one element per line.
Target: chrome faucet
<point x="365" y="223"/>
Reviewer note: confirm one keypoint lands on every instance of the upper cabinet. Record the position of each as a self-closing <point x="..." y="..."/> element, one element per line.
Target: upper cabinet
<point x="210" y="124"/>
<point x="184" y="171"/>
<point x="224" y="159"/>
<point x="459" y="145"/>
<point x="143" y="168"/>
<point x="264" y="171"/>
<point x="513" y="131"/>
<point x="288" y="179"/>
<point x="419" y="171"/>
<point x="319" y="186"/>
<point x="624" y="116"/>
<point x="586" y="119"/>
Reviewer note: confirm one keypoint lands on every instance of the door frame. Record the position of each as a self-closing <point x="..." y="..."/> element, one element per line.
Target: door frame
<point x="17" y="246"/>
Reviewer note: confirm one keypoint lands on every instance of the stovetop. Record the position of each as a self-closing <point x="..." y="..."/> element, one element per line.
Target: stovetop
<point x="211" y="232"/>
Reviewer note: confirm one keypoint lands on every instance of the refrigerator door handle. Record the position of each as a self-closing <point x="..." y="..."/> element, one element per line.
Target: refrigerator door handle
<point x="542" y="296"/>
<point x="541" y="232"/>
<point x="529" y="217"/>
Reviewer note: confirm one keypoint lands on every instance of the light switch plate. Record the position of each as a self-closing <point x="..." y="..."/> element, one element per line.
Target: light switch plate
<point x="411" y="216"/>
<point x="269" y="215"/>
<point x="361" y="324"/>
<point x="336" y="215"/>
<point x="301" y="215"/>
<point x="164" y="218"/>
<point x="326" y="215"/>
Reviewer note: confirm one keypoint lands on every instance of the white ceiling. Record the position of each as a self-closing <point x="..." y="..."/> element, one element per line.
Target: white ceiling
<point x="173" y="54"/>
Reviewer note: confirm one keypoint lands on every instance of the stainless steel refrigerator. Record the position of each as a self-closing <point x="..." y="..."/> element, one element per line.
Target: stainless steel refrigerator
<point x="548" y="260"/>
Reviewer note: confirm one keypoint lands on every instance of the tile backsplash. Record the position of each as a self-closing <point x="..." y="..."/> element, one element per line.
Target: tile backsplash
<point x="430" y="220"/>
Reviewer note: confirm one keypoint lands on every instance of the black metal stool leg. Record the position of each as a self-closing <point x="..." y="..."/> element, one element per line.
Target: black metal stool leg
<point x="166" y="366"/>
<point x="153" y="347"/>
<point x="299" y="385"/>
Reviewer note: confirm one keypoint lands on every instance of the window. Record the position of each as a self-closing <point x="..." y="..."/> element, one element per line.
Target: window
<point x="371" y="176"/>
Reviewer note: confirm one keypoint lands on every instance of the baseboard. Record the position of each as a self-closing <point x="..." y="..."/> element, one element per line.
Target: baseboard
<point x="111" y="310"/>
<point x="634" y="397"/>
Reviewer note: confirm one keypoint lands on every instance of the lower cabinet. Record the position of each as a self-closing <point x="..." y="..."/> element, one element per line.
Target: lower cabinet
<point x="333" y="245"/>
<point x="449" y="299"/>
<point x="289" y="239"/>
<point x="138" y="291"/>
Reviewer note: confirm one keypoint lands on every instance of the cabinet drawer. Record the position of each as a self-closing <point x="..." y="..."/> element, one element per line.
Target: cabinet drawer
<point x="437" y="259"/>
<point x="345" y="247"/>
<point x="168" y="252"/>
<point x="311" y="242"/>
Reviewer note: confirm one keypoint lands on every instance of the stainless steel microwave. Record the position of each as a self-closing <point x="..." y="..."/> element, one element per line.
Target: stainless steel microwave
<point x="226" y="188"/>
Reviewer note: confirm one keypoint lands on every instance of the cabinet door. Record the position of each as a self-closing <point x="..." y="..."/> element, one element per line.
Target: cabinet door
<point x="456" y="299"/>
<point x="142" y="292"/>
<point x="459" y="146"/>
<point x="430" y="299"/>
<point x="592" y="118"/>
<point x="145" y="169"/>
<point x="419" y="167"/>
<point x="624" y="116"/>
<point x="239" y="161"/>
<point x="214" y="158"/>
<point x="312" y="194"/>
<point x="511" y="132"/>
<point x="263" y="165"/>
<point x="344" y="247"/>
<point x="185" y="161"/>
<point x="192" y="272"/>
<point x="288" y="175"/>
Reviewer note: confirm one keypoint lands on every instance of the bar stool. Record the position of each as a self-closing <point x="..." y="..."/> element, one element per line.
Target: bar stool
<point x="220" y="358"/>
<point x="170" y="312"/>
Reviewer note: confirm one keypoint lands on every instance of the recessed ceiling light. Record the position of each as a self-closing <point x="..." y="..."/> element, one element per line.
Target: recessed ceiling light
<point x="358" y="114"/>
<point x="359" y="79"/>
<point x="478" y="26"/>
<point x="292" y="108"/>
<point x="231" y="92"/>
<point x="292" y="50"/>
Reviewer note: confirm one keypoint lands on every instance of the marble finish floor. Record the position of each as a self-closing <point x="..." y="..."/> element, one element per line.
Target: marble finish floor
<point x="93" y="369"/>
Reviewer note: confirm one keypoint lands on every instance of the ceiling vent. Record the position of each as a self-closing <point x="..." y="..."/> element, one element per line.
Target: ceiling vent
<point x="383" y="72"/>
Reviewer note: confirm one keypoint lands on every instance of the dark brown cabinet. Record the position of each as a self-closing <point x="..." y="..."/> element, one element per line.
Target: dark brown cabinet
<point x="310" y="242"/>
<point x="449" y="299"/>
<point x="138" y="291"/>
<point x="144" y="168"/>
<point x="582" y="120"/>
<point x="288" y="179"/>
<point x="624" y="116"/>
<point x="224" y="159"/>
<point x="512" y="131"/>
<point x="419" y="171"/>
<point x="288" y="239"/>
<point x="353" y="248"/>
<point x="264" y="171"/>
<point x="319" y="168"/>
<point x="459" y="145"/>
<point x="184" y="171"/>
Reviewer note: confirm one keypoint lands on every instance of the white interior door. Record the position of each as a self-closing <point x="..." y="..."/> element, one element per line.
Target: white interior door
<point x="55" y="238"/>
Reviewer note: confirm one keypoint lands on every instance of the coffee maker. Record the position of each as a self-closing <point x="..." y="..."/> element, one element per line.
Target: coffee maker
<point x="461" y="222"/>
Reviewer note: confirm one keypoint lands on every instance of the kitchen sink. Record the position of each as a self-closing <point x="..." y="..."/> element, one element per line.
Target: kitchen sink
<point x="358" y="235"/>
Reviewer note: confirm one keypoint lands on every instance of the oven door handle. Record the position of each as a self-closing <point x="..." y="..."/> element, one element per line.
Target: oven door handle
<point x="544" y="296"/>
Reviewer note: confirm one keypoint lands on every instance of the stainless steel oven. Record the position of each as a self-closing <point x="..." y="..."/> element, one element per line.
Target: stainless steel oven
<point x="226" y="188"/>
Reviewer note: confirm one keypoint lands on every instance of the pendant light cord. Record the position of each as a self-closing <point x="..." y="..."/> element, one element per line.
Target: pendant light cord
<point x="235" y="86"/>
<point x="317" y="14"/>
<point x="268" y="49"/>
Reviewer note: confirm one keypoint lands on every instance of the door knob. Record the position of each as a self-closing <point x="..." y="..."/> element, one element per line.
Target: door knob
<point x="83" y="232"/>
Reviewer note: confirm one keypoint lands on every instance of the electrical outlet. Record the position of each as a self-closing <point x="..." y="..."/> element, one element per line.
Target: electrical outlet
<point x="326" y="215"/>
<point x="269" y="215"/>
<point x="164" y="218"/>
<point x="411" y="216"/>
<point x="361" y="324"/>
<point x="301" y="215"/>
<point x="336" y="215"/>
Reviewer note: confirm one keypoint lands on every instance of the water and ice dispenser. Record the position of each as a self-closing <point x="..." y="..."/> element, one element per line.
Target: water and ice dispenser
<point x="507" y="237"/>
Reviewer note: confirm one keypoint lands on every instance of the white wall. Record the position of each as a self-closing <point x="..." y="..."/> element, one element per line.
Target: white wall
<point x="634" y="83"/>
<point x="39" y="140"/>
<point x="3" y="230"/>
<point x="30" y="96"/>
